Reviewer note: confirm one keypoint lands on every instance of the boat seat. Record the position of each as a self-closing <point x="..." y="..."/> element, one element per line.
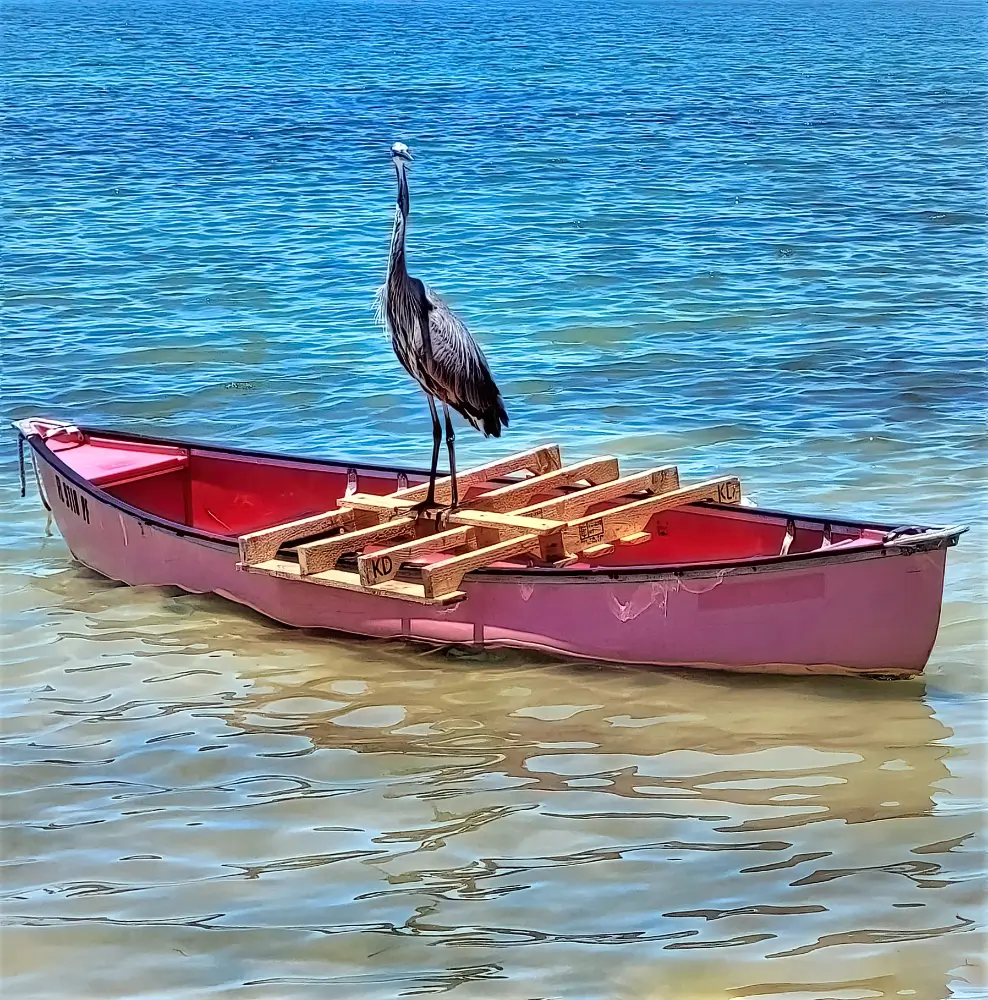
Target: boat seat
<point x="106" y="463"/>
<point x="867" y="540"/>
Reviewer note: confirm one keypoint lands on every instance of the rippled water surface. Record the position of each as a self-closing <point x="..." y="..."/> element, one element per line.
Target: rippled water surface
<point x="743" y="237"/>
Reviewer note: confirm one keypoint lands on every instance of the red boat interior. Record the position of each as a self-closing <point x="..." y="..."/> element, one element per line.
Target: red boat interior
<point x="230" y="494"/>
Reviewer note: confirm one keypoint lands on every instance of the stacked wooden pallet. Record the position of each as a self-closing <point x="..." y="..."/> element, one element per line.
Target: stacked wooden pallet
<point x="580" y="511"/>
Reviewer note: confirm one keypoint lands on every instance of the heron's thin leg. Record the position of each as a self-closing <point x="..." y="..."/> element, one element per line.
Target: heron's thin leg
<point x="450" y="438"/>
<point x="437" y="436"/>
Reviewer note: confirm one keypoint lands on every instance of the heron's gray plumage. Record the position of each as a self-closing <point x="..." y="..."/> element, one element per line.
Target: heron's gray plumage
<point x="431" y="341"/>
<point x="456" y="366"/>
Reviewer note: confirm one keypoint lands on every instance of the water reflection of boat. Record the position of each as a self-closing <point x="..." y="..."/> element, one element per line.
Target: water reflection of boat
<point x="703" y="584"/>
<point x="788" y="818"/>
<point x="776" y="759"/>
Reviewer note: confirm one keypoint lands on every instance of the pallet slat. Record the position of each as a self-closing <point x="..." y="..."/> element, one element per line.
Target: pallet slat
<point x="630" y="518"/>
<point x="387" y="505"/>
<point x="385" y="564"/>
<point x="508" y="523"/>
<point x="444" y="577"/>
<point x="316" y="557"/>
<point x="350" y="581"/>
<point x="659" y="480"/>
<point x="259" y="546"/>
<point x="509" y="498"/>
<point x="636" y="539"/>
<point x="547" y="533"/>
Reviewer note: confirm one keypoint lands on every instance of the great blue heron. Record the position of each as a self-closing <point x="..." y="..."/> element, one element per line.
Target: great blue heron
<point x="434" y="346"/>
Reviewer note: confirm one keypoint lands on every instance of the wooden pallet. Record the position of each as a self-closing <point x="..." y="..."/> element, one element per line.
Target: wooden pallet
<point x="580" y="510"/>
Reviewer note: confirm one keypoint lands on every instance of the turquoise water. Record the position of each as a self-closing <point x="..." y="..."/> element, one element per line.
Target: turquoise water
<point x="745" y="238"/>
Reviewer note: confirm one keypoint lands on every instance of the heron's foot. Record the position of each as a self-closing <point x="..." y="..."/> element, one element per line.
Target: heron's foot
<point x="443" y="515"/>
<point x="422" y="507"/>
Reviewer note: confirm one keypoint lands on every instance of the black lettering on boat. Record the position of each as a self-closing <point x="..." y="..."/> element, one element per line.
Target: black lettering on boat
<point x="69" y="496"/>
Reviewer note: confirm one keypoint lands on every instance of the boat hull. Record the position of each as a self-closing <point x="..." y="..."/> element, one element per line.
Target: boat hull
<point x="860" y="613"/>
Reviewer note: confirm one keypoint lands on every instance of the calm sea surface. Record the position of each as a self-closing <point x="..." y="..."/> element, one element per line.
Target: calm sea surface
<point x="743" y="237"/>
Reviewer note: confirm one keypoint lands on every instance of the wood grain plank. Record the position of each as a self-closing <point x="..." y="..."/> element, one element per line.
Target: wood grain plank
<point x="631" y="518"/>
<point x="636" y="539"/>
<point x="389" y="504"/>
<point x="385" y="564"/>
<point x="321" y="555"/>
<point x="658" y="480"/>
<point x="510" y="524"/>
<point x="351" y="581"/>
<point x="509" y="498"/>
<point x="259" y="546"/>
<point x="444" y="577"/>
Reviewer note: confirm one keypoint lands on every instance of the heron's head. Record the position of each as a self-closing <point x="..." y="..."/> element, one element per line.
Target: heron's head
<point x="400" y="154"/>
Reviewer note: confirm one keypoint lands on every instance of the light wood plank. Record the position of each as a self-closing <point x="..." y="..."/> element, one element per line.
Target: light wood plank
<point x="351" y="581"/>
<point x="538" y="461"/>
<point x="508" y="524"/>
<point x="595" y="551"/>
<point x="630" y="518"/>
<point x="509" y="498"/>
<point x="565" y="561"/>
<point x="659" y="480"/>
<point x="444" y="577"/>
<point x="636" y="539"/>
<point x="511" y="525"/>
<point x="259" y="546"/>
<point x="381" y="504"/>
<point x="316" y="557"/>
<point x="385" y="564"/>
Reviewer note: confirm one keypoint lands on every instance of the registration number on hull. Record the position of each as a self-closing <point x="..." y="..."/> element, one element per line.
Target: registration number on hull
<point x="74" y="501"/>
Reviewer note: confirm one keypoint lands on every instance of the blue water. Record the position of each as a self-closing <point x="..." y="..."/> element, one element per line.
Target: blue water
<point x="743" y="237"/>
<point x="748" y="234"/>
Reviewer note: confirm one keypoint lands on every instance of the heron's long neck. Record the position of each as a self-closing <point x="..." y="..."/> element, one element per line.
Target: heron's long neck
<point x="396" y="261"/>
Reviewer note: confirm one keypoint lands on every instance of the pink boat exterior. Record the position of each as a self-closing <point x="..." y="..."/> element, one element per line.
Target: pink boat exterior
<point x="866" y="600"/>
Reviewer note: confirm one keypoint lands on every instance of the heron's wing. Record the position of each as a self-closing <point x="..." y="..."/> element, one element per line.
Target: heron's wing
<point x="456" y="363"/>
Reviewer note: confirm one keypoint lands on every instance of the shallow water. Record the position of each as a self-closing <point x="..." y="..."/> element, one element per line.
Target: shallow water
<point x="739" y="237"/>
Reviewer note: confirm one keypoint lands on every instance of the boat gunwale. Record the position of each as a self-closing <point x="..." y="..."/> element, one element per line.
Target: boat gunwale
<point x="931" y="538"/>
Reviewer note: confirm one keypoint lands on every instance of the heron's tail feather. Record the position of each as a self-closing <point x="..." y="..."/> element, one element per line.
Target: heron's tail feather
<point x="502" y="417"/>
<point x="488" y="421"/>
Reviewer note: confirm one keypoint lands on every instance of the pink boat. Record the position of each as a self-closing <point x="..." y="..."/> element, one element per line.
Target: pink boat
<point x="702" y="584"/>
